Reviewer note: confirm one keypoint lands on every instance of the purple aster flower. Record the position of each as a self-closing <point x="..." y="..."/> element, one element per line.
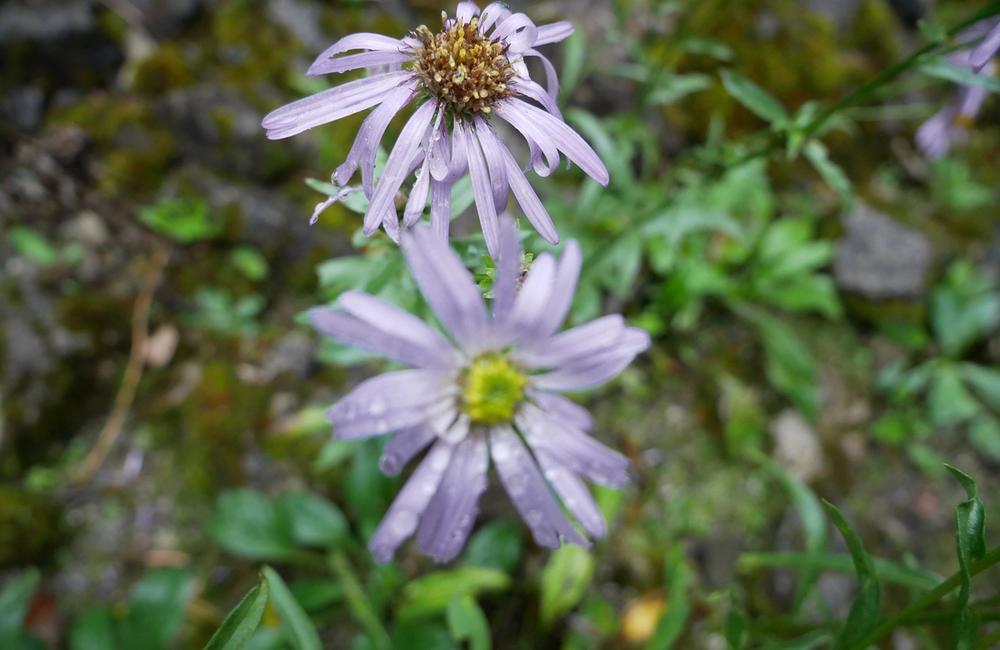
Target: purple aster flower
<point x="463" y="80"/>
<point x="987" y="49"/>
<point x="489" y="389"/>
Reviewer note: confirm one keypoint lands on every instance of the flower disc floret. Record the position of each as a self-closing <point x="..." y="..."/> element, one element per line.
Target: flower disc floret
<point x="467" y="71"/>
<point x="493" y="390"/>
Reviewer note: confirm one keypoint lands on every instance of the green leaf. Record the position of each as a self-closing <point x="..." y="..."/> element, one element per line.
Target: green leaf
<point x="984" y="381"/>
<point x="181" y="219"/>
<point x="358" y="601"/>
<point x="156" y="610"/>
<point x="312" y="520"/>
<point x="900" y="574"/>
<point x="241" y="623"/>
<point x="496" y="545"/>
<point x="970" y="518"/>
<point x="754" y="98"/>
<point x="32" y="245"/>
<point x="678" y="577"/>
<point x="94" y="629"/>
<point x="831" y="173"/>
<point x="15" y="597"/>
<point x="249" y="262"/>
<point x="984" y="434"/>
<point x="431" y="593"/>
<point x="564" y="581"/>
<point x="737" y="635"/>
<point x="965" y="308"/>
<point x="948" y="400"/>
<point x="604" y="144"/>
<point x="467" y="622"/>
<point x="574" y="55"/>
<point x="808" y="641"/>
<point x="810" y="511"/>
<point x="864" y="614"/>
<point x="301" y="633"/>
<point x="247" y="524"/>
<point x="960" y="74"/>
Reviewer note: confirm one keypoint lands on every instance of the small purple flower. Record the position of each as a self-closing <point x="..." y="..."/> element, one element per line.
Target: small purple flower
<point x="987" y="49"/>
<point x="491" y="390"/>
<point x="462" y="79"/>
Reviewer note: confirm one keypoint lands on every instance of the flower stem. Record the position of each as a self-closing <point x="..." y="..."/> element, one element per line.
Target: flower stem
<point x="934" y="595"/>
<point x="358" y="602"/>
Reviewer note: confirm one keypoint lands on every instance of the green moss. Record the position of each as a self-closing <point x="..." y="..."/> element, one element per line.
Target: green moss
<point x="162" y="71"/>
<point x="31" y="528"/>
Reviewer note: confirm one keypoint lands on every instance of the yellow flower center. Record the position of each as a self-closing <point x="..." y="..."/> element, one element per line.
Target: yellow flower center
<point x="464" y="69"/>
<point x="493" y="389"/>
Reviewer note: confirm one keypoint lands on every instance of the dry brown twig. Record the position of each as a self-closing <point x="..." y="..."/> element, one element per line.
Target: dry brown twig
<point x="115" y="423"/>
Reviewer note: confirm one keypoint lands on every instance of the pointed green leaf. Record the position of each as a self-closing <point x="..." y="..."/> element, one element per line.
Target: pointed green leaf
<point x="301" y="632"/>
<point x="970" y="517"/>
<point x="241" y="623"/>
<point x="864" y="613"/>
<point x="763" y="104"/>
<point x="14" y="600"/>
<point x="565" y="580"/>
<point x="94" y="629"/>
<point x="467" y="622"/>
<point x="831" y="173"/>
<point x="156" y="610"/>
<point x="678" y="577"/>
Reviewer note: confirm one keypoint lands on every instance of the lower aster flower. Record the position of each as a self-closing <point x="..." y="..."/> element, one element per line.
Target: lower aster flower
<point x="489" y="389"/>
<point x="461" y="78"/>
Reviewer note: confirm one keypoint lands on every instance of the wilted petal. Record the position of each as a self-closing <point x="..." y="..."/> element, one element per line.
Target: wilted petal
<point x="564" y="138"/>
<point x="551" y="78"/>
<point x="529" y="491"/>
<point x="331" y="104"/>
<point x="403" y="447"/>
<point x="553" y="33"/>
<point x="494" y="152"/>
<point x="370" y="134"/>
<point x="411" y="502"/>
<point x="446" y="285"/>
<point x="518" y="31"/>
<point x="440" y="208"/>
<point x="537" y="140"/>
<point x="580" y="452"/>
<point x="398" y="165"/>
<point x="532" y="90"/>
<point x="482" y="190"/>
<point x="574" y="494"/>
<point x="417" y="200"/>
<point x="492" y="15"/>
<point x="360" y="41"/>
<point x="451" y="513"/>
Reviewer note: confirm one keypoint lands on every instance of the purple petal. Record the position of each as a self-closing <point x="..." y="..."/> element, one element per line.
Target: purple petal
<point x="574" y="494"/>
<point x="986" y="50"/>
<point x="563" y="290"/>
<point x="494" y="152"/>
<point x="449" y="516"/>
<point x="533" y="298"/>
<point x="370" y="134"/>
<point x="440" y="153"/>
<point x="553" y="33"/>
<point x="518" y="31"/>
<point x="530" y="204"/>
<point x="482" y="190"/>
<point x="532" y="90"/>
<point x="508" y="270"/>
<point x="360" y="41"/>
<point x="580" y="342"/>
<point x="440" y="208"/>
<point x="331" y="105"/>
<point x="403" y="447"/>
<point x="574" y="449"/>
<point x="349" y="330"/>
<point x="466" y="11"/>
<point x="563" y="409"/>
<point x="595" y="370"/>
<point x="384" y="396"/>
<point x="529" y="491"/>
<point x="537" y="140"/>
<point x="446" y="285"/>
<point x="356" y="61"/>
<point x="417" y="200"/>
<point x="566" y="140"/>
<point x="936" y="136"/>
<point x="492" y="14"/>
<point x="411" y="502"/>
<point x="398" y="322"/>
<point x="551" y="78"/>
<point x="397" y="167"/>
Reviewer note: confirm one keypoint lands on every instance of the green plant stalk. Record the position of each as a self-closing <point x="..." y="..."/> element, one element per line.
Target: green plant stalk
<point x="991" y="558"/>
<point x="868" y="88"/>
<point x="989" y="641"/>
<point x="357" y="601"/>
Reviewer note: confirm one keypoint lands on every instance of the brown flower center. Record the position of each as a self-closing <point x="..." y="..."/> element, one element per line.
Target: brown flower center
<point x="464" y="69"/>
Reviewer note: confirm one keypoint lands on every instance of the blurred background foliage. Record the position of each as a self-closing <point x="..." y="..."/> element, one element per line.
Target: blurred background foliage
<point x="825" y="313"/>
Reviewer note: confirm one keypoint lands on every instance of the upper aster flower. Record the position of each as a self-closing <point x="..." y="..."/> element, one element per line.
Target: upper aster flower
<point x="462" y="79"/>
<point x="489" y="388"/>
<point x="948" y="126"/>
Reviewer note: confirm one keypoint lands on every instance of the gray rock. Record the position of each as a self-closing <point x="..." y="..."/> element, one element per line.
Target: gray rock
<point x="44" y="20"/>
<point x="880" y="257"/>
<point x="21" y="108"/>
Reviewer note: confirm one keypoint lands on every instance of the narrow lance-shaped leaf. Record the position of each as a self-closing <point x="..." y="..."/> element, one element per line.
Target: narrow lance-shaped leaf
<point x="864" y="614"/>
<point x="970" y="517"/>
<point x="240" y="624"/>
<point x="301" y="633"/>
<point x="678" y="578"/>
<point x="753" y="97"/>
<point x="565" y="580"/>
